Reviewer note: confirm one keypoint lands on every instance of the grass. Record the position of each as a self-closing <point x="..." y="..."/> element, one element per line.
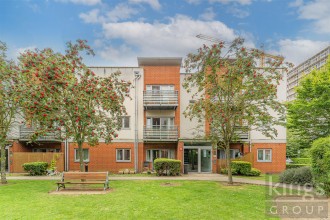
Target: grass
<point x="22" y="199"/>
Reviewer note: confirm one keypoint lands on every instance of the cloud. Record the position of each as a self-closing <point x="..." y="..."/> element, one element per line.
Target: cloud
<point x="175" y="37"/>
<point x="299" y="50"/>
<point x="194" y="2"/>
<point x="208" y="14"/>
<point x="239" y="13"/>
<point x="82" y="2"/>
<point x="317" y="11"/>
<point x="241" y="2"/>
<point x="120" y="12"/>
<point x="153" y="3"/>
<point x="91" y="16"/>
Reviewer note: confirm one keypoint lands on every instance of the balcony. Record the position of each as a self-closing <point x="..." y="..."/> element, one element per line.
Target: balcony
<point x="241" y="133"/>
<point x="26" y="132"/>
<point x="160" y="100"/>
<point x="158" y="133"/>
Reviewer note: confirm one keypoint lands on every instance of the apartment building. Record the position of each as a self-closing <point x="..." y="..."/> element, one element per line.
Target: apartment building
<point x="154" y="127"/>
<point x="297" y="73"/>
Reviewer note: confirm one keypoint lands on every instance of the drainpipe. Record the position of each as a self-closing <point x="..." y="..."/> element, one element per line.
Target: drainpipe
<point x="66" y="155"/>
<point x="136" y="140"/>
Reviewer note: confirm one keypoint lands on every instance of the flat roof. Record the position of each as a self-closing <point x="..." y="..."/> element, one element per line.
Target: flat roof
<point x="159" y="61"/>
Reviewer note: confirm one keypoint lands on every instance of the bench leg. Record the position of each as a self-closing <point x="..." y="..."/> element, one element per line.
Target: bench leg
<point x="59" y="186"/>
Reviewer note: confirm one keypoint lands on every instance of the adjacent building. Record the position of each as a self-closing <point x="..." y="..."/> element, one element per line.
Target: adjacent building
<point x="154" y="127"/>
<point x="297" y="73"/>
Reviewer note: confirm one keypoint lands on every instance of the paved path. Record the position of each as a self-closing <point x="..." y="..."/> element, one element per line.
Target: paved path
<point x="197" y="177"/>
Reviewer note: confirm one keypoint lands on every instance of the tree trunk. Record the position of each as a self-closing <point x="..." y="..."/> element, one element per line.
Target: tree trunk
<point x="81" y="156"/>
<point x="3" y="163"/>
<point x="228" y="161"/>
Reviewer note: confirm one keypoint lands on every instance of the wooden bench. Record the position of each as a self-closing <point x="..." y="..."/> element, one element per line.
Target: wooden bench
<point x="84" y="178"/>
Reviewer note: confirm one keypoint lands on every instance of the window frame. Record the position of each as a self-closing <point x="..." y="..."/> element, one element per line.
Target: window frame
<point x="123" y="123"/>
<point x="264" y="155"/>
<point x="123" y="160"/>
<point x="76" y="154"/>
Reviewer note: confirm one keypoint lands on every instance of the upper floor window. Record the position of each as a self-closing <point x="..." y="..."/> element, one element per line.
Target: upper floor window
<point x="125" y="122"/>
<point x="158" y="123"/>
<point x="158" y="88"/>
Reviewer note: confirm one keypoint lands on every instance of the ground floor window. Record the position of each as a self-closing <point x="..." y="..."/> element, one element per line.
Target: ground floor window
<point x="123" y="155"/>
<point x="234" y="153"/>
<point x="264" y="155"/>
<point x="151" y="155"/>
<point x="85" y="155"/>
<point x="44" y="150"/>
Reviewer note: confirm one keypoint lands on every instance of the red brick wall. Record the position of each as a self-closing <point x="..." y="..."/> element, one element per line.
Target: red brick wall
<point x="103" y="157"/>
<point x="164" y="75"/>
<point x="278" y="163"/>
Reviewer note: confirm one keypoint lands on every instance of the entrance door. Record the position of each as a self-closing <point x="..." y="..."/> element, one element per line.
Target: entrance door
<point x="198" y="159"/>
<point x="205" y="160"/>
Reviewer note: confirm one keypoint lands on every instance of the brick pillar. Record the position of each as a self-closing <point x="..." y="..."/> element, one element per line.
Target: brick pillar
<point x="214" y="160"/>
<point x="179" y="154"/>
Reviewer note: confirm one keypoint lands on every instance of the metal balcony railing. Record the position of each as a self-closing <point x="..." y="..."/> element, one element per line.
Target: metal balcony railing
<point x="160" y="133"/>
<point x="162" y="99"/>
<point x="25" y="134"/>
<point x="241" y="133"/>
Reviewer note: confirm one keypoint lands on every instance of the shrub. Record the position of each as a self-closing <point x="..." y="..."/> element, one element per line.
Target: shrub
<point x="292" y="165"/>
<point x="242" y="167"/>
<point x="254" y="172"/>
<point x="301" y="175"/>
<point x="36" y="168"/>
<point x="169" y="167"/>
<point x="301" y="160"/>
<point x="320" y="153"/>
<point x="225" y="171"/>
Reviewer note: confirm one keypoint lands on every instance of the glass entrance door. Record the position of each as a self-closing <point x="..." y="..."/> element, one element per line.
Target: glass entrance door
<point x="205" y="160"/>
<point x="198" y="159"/>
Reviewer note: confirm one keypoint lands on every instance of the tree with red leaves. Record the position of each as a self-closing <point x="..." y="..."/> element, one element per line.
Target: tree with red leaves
<point x="233" y="90"/>
<point x="66" y="96"/>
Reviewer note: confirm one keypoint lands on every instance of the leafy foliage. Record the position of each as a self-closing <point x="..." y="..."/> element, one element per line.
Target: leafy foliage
<point x="254" y="172"/>
<point x="302" y="175"/>
<point x="308" y="114"/>
<point x="242" y="167"/>
<point x="10" y="100"/>
<point x="168" y="167"/>
<point x="296" y="165"/>
<point x="66" y="96"/>
<point x="320" y="153"/>
<point x="301" y="160"/>
<point x="231" y="90"/>
<point x="36" y="168"/>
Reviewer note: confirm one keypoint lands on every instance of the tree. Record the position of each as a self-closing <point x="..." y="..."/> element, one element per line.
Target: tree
<point x="10" y="98"/>
<point x="67" y="96"/>
<point x="232" y="91"/>
<point x="309" y="114"/>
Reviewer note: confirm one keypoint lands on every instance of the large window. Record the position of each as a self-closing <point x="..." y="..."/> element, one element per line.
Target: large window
<point x="123" y="155"/>
<point x="85" y="155"/>
<point x="264" y="155"/>
<point x="160" y="123"/>
<point x="125" y="122"/>
<point x="234" y="153"/>
<point x="157" y="88"/>
<point x="151" y="155"/>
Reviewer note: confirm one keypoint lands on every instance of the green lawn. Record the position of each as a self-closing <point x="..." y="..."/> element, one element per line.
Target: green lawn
<point x="274" y="177"/>
<point x="22" y="199"/>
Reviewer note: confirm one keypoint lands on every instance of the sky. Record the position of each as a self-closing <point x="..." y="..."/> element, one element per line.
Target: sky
<point x="121" y="31"/>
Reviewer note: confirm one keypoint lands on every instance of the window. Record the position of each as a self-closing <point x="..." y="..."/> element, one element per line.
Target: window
<point x="125" y="122"/>
<point x="85" y="155"/>
<point x="123" y="155"/>
<point x="264" y="155"/>
<point x="151" y="155"/>
<point x="157" y="123"/>
<point x="234" y="153"/>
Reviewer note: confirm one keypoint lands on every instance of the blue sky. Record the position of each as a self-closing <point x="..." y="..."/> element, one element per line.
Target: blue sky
<point x="120" y="31"/>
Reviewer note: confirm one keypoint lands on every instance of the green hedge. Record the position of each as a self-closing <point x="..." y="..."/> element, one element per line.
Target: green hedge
<point x="301" y="175"/>
<point x="242" y="167"/>
<point x="225" y="171"/>
<point x="254" y="172"/>
<point x="320" y="153"/>
<point x="292" y="165"/>
<point x="36" y="168"/>
<point x="301" y="160"/>
<point x="167" y="167"/>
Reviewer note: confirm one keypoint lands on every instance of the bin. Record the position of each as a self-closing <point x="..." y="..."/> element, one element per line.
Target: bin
<point x="185" y="168"/>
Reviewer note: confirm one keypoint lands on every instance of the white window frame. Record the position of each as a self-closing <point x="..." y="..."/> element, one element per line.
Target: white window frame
<point x="76" y="159"/>
<point x="170" y="153"/>
<point x="123" y="160"/>
<point x="123" y="123"/>
<point x="264" y="155"/>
